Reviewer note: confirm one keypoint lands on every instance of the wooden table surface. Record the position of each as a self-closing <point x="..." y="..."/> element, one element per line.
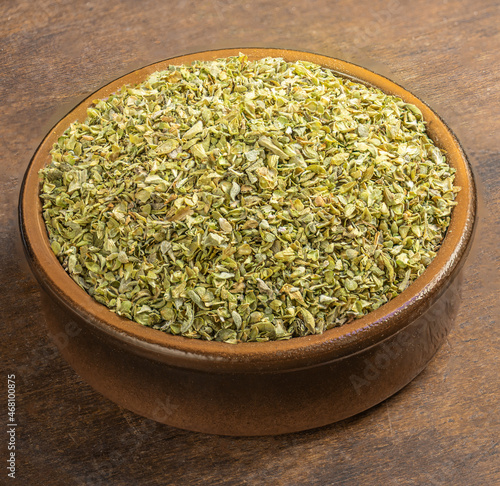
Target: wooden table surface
<point x="442" y="429"/>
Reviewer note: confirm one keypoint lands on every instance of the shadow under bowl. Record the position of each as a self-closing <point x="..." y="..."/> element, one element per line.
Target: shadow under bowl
<point x="253" y="388"/>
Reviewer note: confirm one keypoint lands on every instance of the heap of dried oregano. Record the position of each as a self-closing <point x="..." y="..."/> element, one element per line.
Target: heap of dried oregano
<point x="243" y="200"/>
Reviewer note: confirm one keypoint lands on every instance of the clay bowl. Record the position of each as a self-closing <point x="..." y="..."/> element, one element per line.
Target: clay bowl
<point x="253" y="388"/>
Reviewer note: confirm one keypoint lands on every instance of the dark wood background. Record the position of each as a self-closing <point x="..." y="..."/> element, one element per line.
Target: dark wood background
<point x="442" y="429"/>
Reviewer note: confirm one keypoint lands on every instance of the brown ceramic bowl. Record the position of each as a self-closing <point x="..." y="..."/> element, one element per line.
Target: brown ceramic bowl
<point x="253" y="388"/>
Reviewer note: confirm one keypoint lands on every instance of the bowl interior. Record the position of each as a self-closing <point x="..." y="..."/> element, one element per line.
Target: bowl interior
<point x="296" y="352"/>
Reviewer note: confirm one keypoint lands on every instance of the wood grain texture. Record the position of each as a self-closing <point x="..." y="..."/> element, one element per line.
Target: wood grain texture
<point x="441" y="429"/>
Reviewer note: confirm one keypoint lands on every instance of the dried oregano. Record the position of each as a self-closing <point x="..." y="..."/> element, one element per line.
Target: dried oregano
<point x="243" y="200"/>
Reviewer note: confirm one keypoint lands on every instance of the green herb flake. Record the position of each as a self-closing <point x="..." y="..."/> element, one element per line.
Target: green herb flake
<point x="237" y="200"/>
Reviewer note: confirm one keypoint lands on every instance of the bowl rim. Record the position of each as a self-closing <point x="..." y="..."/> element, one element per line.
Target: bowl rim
<point x="292" y="354"/>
